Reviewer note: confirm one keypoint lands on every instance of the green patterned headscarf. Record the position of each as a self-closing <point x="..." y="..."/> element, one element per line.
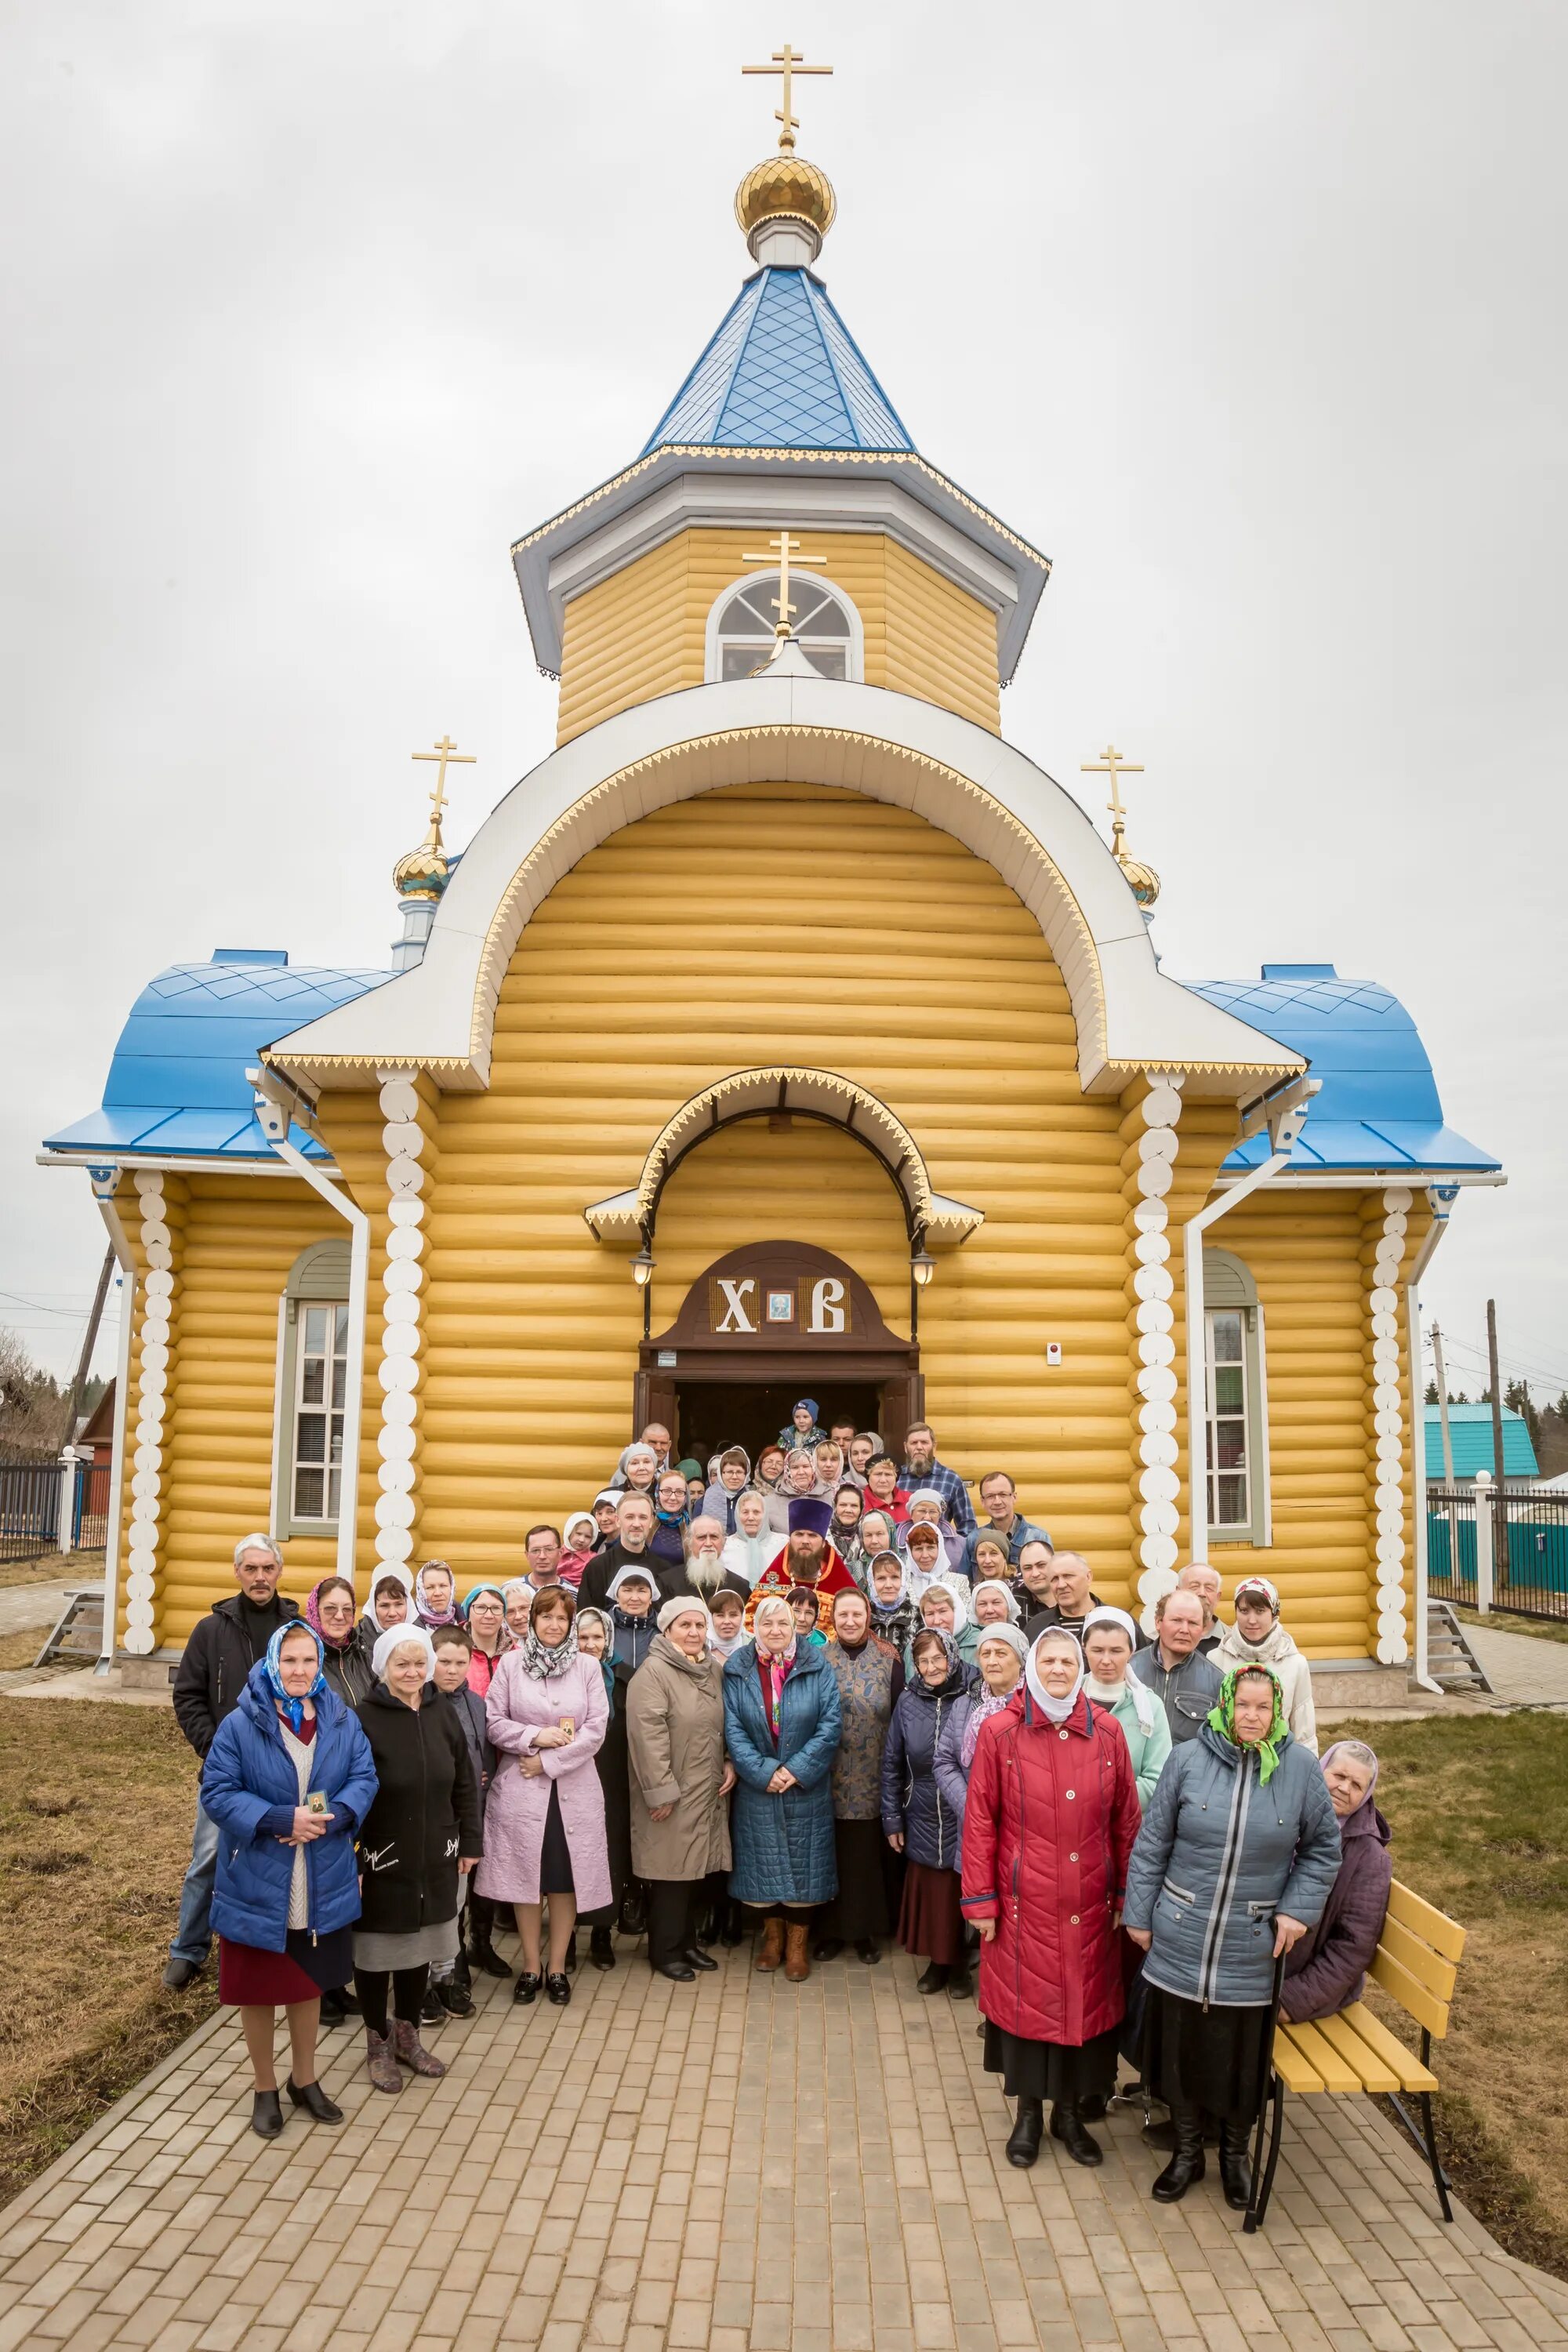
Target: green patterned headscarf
<point x="1221" y="1718"/>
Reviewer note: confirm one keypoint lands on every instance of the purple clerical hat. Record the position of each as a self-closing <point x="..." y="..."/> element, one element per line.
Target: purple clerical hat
<point x="808" y="1516"/>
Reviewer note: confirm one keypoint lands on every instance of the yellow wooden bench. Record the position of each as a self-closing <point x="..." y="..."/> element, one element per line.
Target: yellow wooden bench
<point x="1415" y="1966"/>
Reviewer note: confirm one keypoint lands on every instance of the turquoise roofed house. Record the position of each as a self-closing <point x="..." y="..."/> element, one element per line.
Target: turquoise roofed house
<point x="1470" y="1436"/>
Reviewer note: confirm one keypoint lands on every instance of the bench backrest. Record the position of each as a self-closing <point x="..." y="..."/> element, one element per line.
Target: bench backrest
<point x="1416" y="1956"/>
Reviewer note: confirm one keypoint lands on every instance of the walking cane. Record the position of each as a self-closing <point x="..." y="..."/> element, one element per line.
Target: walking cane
<point x="1263" y="2182"/>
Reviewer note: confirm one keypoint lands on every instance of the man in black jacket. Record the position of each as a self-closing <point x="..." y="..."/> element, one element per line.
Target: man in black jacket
<point x="218" y="1657"/>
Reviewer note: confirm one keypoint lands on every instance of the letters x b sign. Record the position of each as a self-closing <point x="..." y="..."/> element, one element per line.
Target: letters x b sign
<point x="740" y="1306"/>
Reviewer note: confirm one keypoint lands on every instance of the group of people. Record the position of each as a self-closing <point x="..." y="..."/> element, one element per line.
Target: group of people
<point x="830" y="1709"/>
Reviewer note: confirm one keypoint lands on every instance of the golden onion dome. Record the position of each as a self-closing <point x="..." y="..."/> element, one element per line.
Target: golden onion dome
<point x="785" y="187"/>
<point x="424" y="873"/>
<point x="1141" y="880"/>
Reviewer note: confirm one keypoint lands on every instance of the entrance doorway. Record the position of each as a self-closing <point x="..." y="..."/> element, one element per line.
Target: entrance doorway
<point x="713" y="1413"/>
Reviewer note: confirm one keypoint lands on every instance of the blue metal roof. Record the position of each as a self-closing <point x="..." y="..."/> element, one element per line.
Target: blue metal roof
<point x="783" y="372"/>
<point x="1378" y="1107"/>
<point x="177" y="1085"/>
<point x="1471" y="1433"/>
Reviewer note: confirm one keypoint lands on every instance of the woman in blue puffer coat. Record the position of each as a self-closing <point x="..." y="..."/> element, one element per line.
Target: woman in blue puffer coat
<point x="1236" y="1857"/>
<point x="782" y="1725"/>
<point x="917" y="1819"/>
<point x="288" y="1779"/>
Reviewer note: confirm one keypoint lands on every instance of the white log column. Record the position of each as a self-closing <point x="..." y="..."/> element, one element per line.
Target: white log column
<point x="405" y="1143"/>
<point x="157" y="1301"/>
<point x="1389" y="1427"/>
<point x="1159" y="1487"/>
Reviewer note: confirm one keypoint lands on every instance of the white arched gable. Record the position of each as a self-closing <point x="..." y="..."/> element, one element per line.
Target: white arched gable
<point x="891" y="747"/>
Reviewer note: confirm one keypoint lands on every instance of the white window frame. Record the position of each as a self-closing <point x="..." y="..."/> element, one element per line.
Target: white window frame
<point x="854" y="644"/>
<point x="318" y="1278"/>
<point x="1229" y="1289"/>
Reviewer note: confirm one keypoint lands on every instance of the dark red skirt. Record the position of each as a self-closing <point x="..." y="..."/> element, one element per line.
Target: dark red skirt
<point x="930" y="1917"/>
<point x="248" y="1977"/>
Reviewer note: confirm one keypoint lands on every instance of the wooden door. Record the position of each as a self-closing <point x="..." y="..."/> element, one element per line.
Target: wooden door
<point x="654" y="1398"/>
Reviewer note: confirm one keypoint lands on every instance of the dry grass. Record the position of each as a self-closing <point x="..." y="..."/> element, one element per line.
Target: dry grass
<point x="96" y="1805"/>
<point x="1478" y="1806"/>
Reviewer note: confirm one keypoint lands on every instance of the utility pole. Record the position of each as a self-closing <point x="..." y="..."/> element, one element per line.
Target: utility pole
<point x="1496" y="1393"/>
<point x="84" y="1364"/>
<point x="1443" y="1407"/>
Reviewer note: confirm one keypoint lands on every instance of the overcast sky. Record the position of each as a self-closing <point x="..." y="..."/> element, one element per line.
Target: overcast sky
<point x="1249" y="315"/>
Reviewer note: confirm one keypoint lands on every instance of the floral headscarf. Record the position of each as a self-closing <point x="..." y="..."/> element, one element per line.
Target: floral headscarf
<point x="294" y="1709"/>
<point x="1221" y="1718"/>
<point x="313" y="1612"/>
<point x="432" y="1618"/>
<point x="773" y="1671"/>
<point x="540" y="1663"/>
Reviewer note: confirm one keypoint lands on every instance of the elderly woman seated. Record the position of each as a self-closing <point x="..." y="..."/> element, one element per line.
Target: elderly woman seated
<point x="1327" y="1970"/>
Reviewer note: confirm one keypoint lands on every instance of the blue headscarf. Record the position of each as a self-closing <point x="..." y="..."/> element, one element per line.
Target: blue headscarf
<point x="294" y="1709"/>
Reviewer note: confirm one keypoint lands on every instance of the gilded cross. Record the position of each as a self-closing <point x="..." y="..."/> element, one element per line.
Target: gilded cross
<point x="1111" y="763"/>
<point x="783" y="550"/>
<point x="787" y="62"/>
<point x="446" y="751"/>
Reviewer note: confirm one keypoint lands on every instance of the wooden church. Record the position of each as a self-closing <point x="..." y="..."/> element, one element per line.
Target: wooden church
<point x="413" y="1252"/>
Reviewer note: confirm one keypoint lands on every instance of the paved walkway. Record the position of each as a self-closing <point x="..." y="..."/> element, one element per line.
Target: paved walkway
<point x="22" y="1606"/>
<point x="737" y="2164"/>
<point x="1523" y="1669"/>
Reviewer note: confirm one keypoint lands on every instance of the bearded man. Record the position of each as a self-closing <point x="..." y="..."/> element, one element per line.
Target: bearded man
<point x="705" y="1570"/>
<point x="808" y="1557"/>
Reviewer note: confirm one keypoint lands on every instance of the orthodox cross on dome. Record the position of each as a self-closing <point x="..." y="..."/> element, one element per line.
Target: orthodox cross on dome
<point x="1143" y="880"/>
<point x="787" y="62"/>
<point x="446" y="751"/>
<point x="784" y="551"/>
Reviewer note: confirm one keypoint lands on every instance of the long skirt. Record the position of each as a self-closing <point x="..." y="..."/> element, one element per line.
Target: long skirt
<point x="930" y="1917"/>
<point x="867" y="1901"/>
<point x="249" y="1978"/>
<point x="1212" y="2058"/>
<point x="555" y="1857"/>
<point x="1051" y="2070"/>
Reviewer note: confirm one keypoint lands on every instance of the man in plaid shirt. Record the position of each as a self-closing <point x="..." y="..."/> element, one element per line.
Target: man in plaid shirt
<point x="921" y="1468"/>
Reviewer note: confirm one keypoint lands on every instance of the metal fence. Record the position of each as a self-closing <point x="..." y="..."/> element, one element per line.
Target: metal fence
<point x="32" y="1505"/>
<point x="1529" y="1549"/>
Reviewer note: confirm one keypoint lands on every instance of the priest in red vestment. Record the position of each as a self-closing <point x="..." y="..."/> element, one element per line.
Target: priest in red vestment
<point x="807" y="1557"/>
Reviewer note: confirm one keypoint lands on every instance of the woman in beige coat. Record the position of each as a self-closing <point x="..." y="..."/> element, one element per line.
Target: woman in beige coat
<point x="681" y="1781"/>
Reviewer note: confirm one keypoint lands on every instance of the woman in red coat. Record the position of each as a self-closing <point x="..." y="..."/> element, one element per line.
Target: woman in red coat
<point x="1048" y="1830"/>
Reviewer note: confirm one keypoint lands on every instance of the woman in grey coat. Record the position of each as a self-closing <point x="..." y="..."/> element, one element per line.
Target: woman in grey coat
<point x="1238" y="1854"/>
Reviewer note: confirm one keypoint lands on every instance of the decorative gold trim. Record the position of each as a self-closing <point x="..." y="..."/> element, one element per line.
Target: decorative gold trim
<point x="507" y="924"/>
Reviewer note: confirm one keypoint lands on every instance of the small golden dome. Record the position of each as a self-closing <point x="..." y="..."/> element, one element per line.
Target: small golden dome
<point x="1141" y="880"/>
<point x="424" y="873"/>
<point x="785" y="187"/>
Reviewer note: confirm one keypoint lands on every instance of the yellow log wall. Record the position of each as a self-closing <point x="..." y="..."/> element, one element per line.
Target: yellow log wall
<point x="644" y="631"/>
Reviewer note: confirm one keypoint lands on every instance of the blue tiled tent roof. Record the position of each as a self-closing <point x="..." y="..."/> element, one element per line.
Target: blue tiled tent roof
<point x="1378" y="1107"/>
<point x="783" y="372"/>
<point x="177" y="1082"/>
<point x="1471" y="1433"/>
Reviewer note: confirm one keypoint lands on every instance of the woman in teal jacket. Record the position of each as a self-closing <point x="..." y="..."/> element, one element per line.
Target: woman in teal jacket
<point x="782" y="1724"/>
<point x="1109" y="1642"/>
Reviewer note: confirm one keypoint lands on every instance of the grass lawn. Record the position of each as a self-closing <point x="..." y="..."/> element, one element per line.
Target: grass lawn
<point x="1505" y="1621"/>
<point x="95" y="1831"/>
<point x="1478" y="1807"/>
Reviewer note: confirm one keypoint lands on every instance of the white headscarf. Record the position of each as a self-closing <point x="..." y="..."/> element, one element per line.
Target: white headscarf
<point x="1143" y="1701"/>
<point x="389" y="1575"/>
<point x="1055" y="1710"/>
<point x="994" y="1584"/>
<point x="959" y="1599"/>
<point x="392" y="1639"/>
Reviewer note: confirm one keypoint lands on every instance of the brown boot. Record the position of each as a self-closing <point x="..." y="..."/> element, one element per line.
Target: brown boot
<point x="770" y="1952"/>
<point x="797" y="1951"/>
<point x="412" y="2052"/>
<point x="383" y="2071"/>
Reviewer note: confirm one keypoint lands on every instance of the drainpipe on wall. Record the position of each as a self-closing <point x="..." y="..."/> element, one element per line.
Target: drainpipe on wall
<point x="276" y="1103"/>
<point x="104" y="1182"/>
<point x="1440" y="1198"/>
<point x="1284" y="1114"/>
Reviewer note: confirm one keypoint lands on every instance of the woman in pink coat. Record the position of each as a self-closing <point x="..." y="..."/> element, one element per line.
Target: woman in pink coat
<point x="545" y="1714"/>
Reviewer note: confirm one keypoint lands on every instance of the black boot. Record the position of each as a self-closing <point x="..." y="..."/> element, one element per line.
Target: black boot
<point x="1235" y="2167"/>
<point x="733" y="1928"/>
<point x="314" y="2100"/>
<point x="601" y="1950"/>
<point x="481" y="1927"/>
<point x="935" y="1979"/>
<point x="828" y="1948"/>
<point x="1068" y="2125"/>
<point x="696" y="1958"/>
<point x="266" y="2115"/>
<point x="1023" y="2142"/>
<point x="961" y="1985"/>
<point x="1187" y="2164"/>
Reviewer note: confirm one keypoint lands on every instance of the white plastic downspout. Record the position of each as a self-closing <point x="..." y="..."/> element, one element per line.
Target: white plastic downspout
<point x="103" y="1185"/>
<point x="273" y="1115"/>
<point x="1439" y="1197"/>
<point x="1284" y="1129"/>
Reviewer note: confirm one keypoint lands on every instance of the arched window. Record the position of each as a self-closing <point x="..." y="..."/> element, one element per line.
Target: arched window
<point x="1235" y="1403"/>
<point x="312" y="1380"/>
<point x="742" y="627"/>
